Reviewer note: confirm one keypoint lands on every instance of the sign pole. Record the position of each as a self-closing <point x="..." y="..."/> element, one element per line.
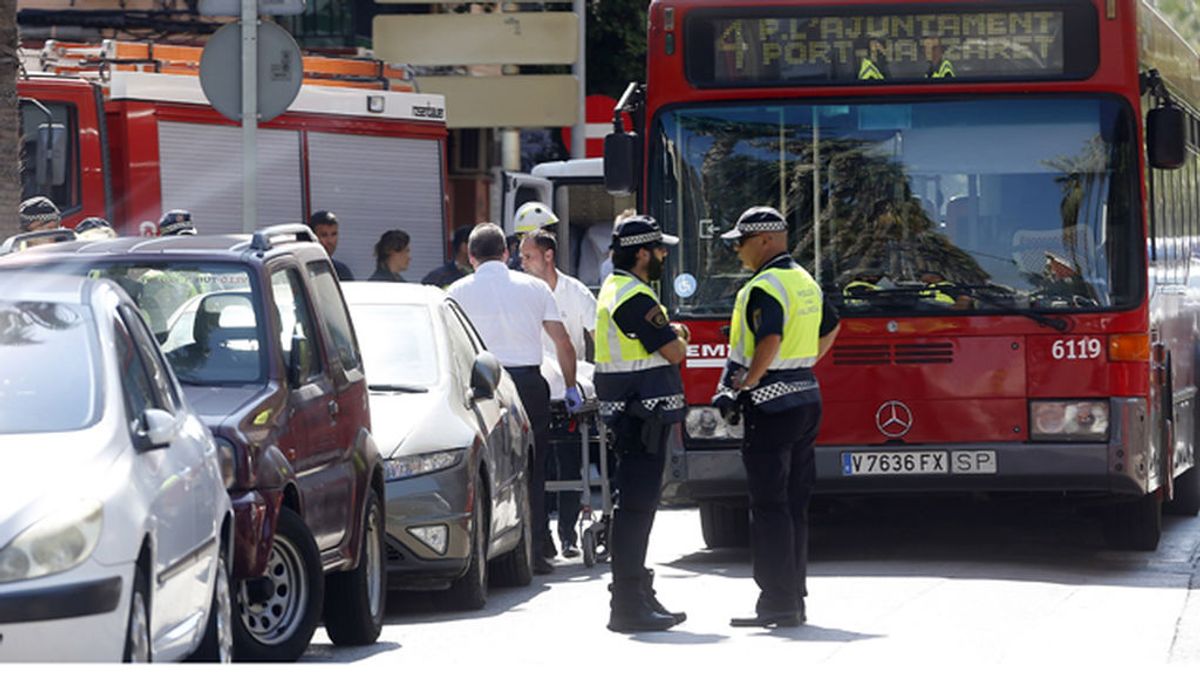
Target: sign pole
<point x="249" y="115"/>
<point x="579" y="130"/>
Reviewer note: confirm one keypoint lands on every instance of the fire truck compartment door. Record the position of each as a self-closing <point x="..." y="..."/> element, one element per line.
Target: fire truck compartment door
<point x="202" y="172"/>
<point x="380" y="183"/>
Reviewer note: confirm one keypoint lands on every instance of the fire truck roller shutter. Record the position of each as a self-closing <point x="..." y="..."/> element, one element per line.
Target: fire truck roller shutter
<point x="202" y="170"/>
<point x="375" y="184"/>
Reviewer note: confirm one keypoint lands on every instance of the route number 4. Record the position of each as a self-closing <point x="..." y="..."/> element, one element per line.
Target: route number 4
<point x="1075" y="349"/>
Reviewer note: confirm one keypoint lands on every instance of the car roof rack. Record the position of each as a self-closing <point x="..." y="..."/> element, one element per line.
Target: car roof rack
<point x="264" y="238"/>
<point x="19" y="242"/>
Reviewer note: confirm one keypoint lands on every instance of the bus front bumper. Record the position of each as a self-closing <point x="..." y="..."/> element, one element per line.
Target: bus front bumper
<point x="1120" y="466"/>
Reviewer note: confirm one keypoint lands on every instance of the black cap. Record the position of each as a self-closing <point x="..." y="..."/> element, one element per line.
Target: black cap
<point x="176" y="221"/>
<point x="37" y="210"/>
<point x="640" y="230"/>
<point x="322" y="218"/>
<point x="757" y="219"/>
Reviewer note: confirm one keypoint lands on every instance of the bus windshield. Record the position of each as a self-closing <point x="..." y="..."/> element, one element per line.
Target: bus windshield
<point x="901" y="208"/>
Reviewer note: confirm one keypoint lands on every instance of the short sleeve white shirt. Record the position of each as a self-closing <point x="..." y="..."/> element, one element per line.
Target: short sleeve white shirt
<point x="507" y="308"/>
<point x="577" y="307"/>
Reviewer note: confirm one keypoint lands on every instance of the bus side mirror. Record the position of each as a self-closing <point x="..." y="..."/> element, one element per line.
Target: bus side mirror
<point x="51" y="155"/>
<point x="1165" y="133"/>
<point x="622" y="163"/>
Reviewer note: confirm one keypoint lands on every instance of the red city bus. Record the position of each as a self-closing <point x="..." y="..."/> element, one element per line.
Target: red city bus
<point x="1000" y="151"/>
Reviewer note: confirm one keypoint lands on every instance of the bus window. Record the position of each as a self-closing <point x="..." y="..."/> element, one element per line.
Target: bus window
<point x="65" y="195"/>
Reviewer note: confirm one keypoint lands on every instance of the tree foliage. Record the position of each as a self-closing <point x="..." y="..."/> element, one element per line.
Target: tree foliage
<point x="616" y="45"/>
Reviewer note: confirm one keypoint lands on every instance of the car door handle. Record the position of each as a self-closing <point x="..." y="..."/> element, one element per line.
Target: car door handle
<point x="334" y="409"/>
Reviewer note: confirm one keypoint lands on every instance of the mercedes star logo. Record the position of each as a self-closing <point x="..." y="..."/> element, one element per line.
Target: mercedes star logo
<point x="893" y="419"/>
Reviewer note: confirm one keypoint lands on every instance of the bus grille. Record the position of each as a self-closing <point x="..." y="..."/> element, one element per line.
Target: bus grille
<point x="900" y="355"/>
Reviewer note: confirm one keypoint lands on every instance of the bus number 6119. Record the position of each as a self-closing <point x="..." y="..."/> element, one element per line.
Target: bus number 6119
<point x="1075" y="349"/>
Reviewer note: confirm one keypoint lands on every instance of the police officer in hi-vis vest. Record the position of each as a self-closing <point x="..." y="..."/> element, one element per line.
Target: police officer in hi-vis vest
<point x="781" y="327"/>
<point x="640" y="389"/>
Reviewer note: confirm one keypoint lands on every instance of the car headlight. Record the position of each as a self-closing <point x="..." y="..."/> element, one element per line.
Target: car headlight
<point x="1068" y="420"/>
<point x="54" y="544"/>
<point x="705" y="423"/>
<point x="226" y="458"/>
<point x="415" y="465"/>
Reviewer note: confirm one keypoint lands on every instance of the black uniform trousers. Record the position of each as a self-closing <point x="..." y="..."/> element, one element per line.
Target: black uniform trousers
<point x="639" y="474"/>
<point x="535" y="397"/>
<point x="777" y="452"/>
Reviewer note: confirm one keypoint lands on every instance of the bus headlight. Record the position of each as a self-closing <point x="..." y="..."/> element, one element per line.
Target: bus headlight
<point x="1068" y="420"/>
<point x="704" y="423"/>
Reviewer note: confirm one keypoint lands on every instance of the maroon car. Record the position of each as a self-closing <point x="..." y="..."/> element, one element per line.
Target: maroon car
<point x="258" y="333"/>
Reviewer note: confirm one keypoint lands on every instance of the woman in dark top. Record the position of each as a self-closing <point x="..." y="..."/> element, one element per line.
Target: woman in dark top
<point x="392" y="256"/>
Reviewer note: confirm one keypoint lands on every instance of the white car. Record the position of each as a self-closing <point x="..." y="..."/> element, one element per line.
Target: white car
<point x="115" y="524"/>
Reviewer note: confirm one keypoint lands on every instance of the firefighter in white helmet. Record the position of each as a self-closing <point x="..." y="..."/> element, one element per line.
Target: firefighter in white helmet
<point x="533" y="216"/>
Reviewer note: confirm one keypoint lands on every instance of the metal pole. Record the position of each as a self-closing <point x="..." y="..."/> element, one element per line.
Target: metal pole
<point x="579" y="70"/>
<point x="249" y="115"/>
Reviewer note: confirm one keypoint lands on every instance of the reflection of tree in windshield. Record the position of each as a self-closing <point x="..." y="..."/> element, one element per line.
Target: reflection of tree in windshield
<point x="869" y="217"/>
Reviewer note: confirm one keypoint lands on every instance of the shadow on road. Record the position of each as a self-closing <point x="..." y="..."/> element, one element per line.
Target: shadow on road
<point x="1017" y="539"/>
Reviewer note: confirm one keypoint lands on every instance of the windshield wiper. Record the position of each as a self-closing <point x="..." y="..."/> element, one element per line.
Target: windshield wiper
<point x="976" y="293"/>
<point x="398" y="388"/>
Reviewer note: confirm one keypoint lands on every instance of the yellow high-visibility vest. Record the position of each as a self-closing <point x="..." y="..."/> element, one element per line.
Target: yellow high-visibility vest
<point x="867" y="70"/>
<point x="800" y="296"/>
<point x="616" y="352"/>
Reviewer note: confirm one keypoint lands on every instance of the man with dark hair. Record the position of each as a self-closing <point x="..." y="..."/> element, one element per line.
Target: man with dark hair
<point x="539" y="250"/>
<point x="325" y="225"/>
<point x="459" y="264"/>
<point x="511" y="310"/>
<point x="638" y="352"/>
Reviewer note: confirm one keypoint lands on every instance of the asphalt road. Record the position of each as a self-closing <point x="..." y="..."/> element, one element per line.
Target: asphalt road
<point x="945" y="582"/>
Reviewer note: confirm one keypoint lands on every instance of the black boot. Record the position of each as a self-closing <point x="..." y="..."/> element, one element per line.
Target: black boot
<point x="652" y="599"/>
<point x="631" y="613"/>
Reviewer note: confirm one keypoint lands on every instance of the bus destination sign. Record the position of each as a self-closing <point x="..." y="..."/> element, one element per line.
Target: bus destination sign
<point x="780" y="47"/>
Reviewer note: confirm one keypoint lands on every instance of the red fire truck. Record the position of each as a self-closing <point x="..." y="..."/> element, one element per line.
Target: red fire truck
<point x="1014" y="188"/>
<point x="134" y="136"/>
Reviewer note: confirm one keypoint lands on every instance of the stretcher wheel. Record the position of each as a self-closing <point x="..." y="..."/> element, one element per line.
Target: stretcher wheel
<point x="589" y="548"/>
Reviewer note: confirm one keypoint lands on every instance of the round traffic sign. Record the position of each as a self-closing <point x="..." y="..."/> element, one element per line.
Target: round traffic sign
<point x="280" y="71"/>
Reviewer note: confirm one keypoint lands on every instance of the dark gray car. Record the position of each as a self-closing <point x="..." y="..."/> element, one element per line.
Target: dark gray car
<point x="456" y="444"/>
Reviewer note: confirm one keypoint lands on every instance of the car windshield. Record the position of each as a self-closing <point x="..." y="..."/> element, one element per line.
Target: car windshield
<point x="903" y="208"/>
<point x="49" y="368"/>
<point x="203" y="315"/>
<point x="398" y="345"/>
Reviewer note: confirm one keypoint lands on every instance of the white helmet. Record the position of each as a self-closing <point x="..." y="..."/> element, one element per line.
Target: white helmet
<point x="532" y="216"/>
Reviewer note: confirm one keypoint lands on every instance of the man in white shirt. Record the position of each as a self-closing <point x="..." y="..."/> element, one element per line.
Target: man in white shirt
<point x="577" y="306"/>
<point x="511" y="311"/>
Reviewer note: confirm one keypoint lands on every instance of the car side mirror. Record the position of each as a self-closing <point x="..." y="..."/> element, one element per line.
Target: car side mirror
<point x="1166" y="129"/>
<point x="485" y="376"/>
<point x="51" y="155"/>
<point x="156" y="430"/>
<point x="622" y="163"/>
<point x="299" y="361"/>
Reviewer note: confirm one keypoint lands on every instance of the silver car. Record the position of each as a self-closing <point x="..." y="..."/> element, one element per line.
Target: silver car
<point x="115" y="526"/>
<point x="456" y="444"/>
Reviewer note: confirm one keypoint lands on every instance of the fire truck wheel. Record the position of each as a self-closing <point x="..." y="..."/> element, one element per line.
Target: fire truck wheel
<point x="724" y="526"/>
<point x="1135" y="525"/>
<point x="1186" y="501"/>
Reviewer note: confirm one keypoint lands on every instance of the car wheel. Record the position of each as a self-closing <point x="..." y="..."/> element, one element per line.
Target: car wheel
<point x="354" y="600"/>
<point x="515" y="568"/>
<point x="280" y="627"/>
<point x="137" y="634"/>
<point x="724" y="526"/>
<point x="470" y="590"/>
<point x="217" y="644"/>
